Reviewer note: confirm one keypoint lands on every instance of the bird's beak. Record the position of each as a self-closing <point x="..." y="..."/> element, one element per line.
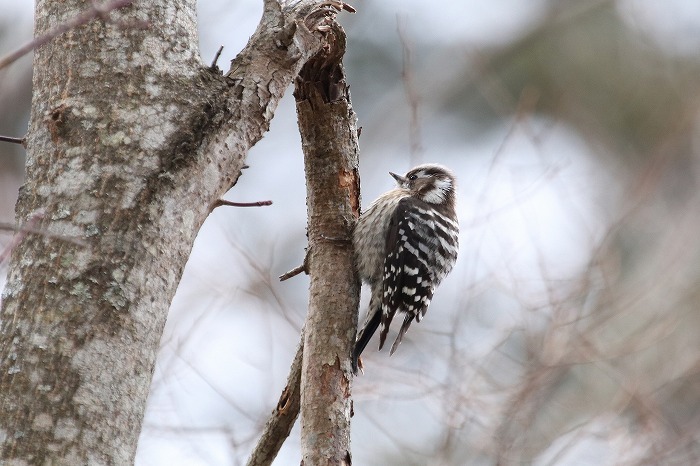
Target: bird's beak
<point x="399" y="179"/>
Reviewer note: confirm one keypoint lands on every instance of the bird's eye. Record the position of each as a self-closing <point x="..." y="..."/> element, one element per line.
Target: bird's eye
<point x="413" y="177"/>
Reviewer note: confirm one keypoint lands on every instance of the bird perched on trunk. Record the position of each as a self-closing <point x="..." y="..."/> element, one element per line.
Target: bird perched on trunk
<point x="405" y="243"/>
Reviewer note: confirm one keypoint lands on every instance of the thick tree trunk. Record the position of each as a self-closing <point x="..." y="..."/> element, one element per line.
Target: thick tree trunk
<point x="131" y="141"/>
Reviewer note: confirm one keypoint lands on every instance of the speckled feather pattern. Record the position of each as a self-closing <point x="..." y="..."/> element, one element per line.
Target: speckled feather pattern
<point x="405" y="244"/>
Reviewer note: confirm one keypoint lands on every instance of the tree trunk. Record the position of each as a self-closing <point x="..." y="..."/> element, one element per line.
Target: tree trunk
<point x="131" y="141"/>
<point x="329" y="138"/>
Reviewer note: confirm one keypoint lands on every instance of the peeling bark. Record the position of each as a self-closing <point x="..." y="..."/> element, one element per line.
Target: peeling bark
<point x="131" y="140"/>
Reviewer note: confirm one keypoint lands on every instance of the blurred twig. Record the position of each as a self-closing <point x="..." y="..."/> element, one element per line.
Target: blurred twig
<point x="95" y="11"/>
<point x="412" y="97"/>
<point x="30" y="228"/>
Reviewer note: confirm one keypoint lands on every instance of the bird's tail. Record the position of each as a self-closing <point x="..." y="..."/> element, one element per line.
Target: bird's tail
<point x="364" y="336"/>
<point x="404" y="327"/>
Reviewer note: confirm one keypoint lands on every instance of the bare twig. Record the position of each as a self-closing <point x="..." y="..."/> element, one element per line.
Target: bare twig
<point x="304" y="266"/>
<point x="223" y="202"/>
<point x="93" y="12"/>
<point x="295" y="271"/>
<point x="216" y="58"/>
<point x="12" y="140"/>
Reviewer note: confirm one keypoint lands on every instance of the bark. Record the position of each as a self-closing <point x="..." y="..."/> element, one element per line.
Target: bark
<point x="131" y="140"/>
<point x="329" y="138"/>
<point x="328" y="127"/>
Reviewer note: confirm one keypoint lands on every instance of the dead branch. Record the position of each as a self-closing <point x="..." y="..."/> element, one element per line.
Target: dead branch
<point x="283" y="417"/>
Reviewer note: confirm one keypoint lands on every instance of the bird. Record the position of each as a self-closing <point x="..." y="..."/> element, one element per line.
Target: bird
<point x="405" y="243"/>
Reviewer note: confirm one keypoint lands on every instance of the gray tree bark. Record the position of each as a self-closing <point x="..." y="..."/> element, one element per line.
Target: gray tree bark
<point x="131" y="141"/>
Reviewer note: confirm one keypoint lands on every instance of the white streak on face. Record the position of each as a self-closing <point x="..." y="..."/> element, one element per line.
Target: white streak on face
<point x="438" y="193"/>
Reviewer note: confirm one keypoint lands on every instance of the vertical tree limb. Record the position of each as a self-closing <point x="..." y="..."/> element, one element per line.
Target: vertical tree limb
<point x="329" y="138"/>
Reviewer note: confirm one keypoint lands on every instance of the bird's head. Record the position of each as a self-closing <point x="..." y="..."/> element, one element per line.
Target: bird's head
<point x="431" y="183"/>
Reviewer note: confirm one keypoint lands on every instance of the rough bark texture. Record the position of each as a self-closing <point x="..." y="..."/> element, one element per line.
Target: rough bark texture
<point x="131" y="140"/>
<point x="329" y="138"/>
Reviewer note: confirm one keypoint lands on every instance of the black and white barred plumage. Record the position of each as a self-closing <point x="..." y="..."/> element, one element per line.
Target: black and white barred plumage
<point x="405" y="243"/>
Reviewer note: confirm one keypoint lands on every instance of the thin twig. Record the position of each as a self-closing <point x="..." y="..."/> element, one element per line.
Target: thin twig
<point x="12" y="140"/>
<point x="84" y="17"/>
<point x="304" y="267"/>
<point x="294" y="272"/>
<point x="216" y="58"/>
<point x="222" y="202"/>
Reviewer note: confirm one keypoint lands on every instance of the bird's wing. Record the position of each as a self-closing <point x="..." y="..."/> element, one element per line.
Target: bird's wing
<point x="408" y="283"/>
